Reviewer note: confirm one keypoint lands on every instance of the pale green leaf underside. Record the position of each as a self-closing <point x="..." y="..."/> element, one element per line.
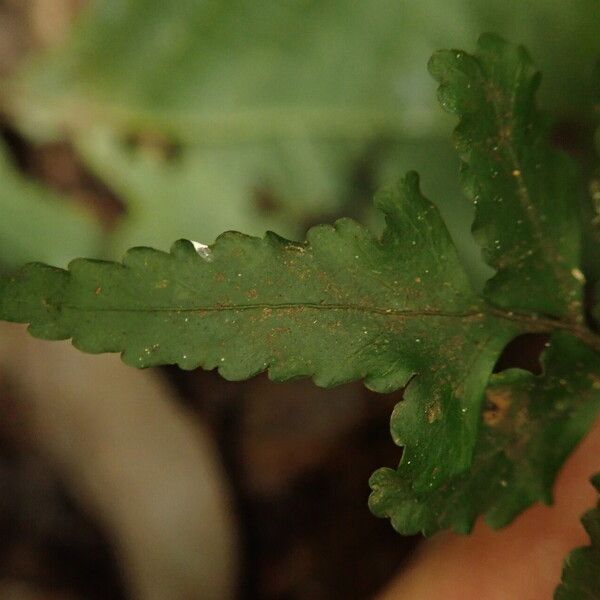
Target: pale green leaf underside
<point x="342" y="306"/>
<point x="530" y="424"/>
<point x="581" y="576"/>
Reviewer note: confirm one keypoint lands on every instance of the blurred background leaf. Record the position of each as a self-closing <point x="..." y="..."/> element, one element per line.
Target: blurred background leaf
<point x="214" y="115"/>
<point x="38" y="223"/>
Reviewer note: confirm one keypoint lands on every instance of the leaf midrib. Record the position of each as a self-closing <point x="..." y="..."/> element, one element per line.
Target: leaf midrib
<point x="299" y="306"/>
<point x="550" y="253"/>
<point x="530" y="322"/>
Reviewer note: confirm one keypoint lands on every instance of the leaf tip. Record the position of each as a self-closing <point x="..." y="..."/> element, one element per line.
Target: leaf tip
<point x="438" y="64"/>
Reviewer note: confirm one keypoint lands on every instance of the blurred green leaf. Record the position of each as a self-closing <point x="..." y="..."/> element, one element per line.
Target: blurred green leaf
<point x="289" y="98"/>
<point x="193" y="197"/>
<point x="39" y="224"/>
<point x="219" y="71"/>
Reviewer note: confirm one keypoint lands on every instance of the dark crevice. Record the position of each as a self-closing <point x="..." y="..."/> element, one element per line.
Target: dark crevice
<point x="523" y="352"/>
<point x="17" y="146"/>
<point x="572" y="135"/>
